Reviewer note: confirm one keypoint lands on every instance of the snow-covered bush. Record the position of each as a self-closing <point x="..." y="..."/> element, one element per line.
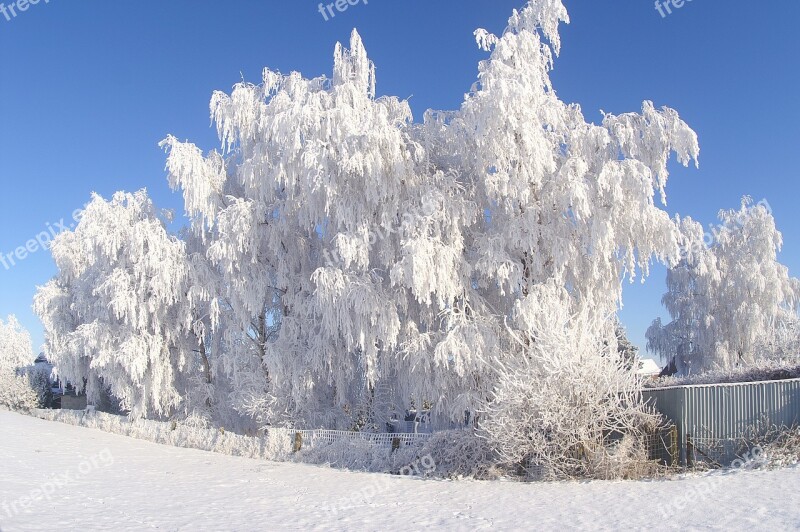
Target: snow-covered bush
<point x="567" y="406"/>
<point x="360" y="455"/>
<point x="16" y="392"/>
<point x="461" y="453"/>
<point x="779" y="447"/>
<point x="39" y="379"/>
<point x="21" y="385"/>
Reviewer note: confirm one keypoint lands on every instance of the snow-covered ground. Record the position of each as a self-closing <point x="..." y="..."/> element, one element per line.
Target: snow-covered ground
<point x="57" y="476"/>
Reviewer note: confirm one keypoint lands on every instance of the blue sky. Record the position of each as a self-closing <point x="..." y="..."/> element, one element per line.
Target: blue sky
<point x="88" y="88"/>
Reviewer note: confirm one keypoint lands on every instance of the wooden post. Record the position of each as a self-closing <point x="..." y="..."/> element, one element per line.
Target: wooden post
<point x="689" y="451"/>
<point x="395" y="444"/>
<point x="673" y="445"/>
<point x="298" y="442"/>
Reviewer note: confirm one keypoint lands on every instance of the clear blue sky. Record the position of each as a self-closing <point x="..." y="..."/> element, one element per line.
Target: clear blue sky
<point x="88" y="88"/>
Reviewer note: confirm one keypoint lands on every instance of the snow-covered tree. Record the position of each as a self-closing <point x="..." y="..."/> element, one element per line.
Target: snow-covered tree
<point x="781" y="343"/>
<point x="562" y="201"/>
<point x="372" y="261"/>
<point x="678" y="341"/>
<point x="302" y="213"/>
<point x="730" y="299"/>
<point x="120" y="313"/>
<point x="17" y="379"/>
<point x="16" y="349"/>
<point x="626" y="349"/>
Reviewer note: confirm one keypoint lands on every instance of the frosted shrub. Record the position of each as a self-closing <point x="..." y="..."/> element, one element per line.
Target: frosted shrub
<point x="584" y="416"/>
<point x="21" y="385"/>
<point x="16" y="391"/>
<point x="39" y="381"/>
<point x="360" y="455"/>
<point x="461" y="453"/>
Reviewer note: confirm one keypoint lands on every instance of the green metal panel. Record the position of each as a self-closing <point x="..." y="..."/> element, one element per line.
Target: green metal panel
<point x="721" y="416"/>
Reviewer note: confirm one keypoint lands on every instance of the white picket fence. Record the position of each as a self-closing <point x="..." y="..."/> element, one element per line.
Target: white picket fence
<point x="311" y="438"/>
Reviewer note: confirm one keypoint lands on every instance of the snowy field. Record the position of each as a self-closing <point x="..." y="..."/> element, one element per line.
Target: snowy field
<point x="57" y="476"/>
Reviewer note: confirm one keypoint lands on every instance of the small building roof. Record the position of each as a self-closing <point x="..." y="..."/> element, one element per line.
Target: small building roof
<point x="648" y="366"/>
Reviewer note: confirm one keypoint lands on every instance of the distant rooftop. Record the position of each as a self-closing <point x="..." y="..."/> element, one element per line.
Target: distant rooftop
<point x="648" y="366"/>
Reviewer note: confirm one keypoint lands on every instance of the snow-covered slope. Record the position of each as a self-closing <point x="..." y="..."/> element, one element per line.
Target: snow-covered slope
<point x="87" y="479"/>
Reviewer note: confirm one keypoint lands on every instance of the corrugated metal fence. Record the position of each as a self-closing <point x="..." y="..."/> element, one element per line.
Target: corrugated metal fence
<point x="715" y="421"/>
